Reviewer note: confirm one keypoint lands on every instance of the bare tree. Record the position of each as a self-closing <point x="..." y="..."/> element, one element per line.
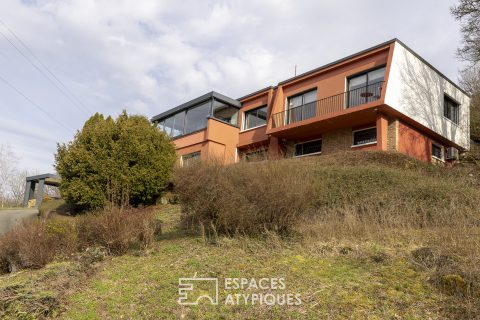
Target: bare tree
<point x="17" y="187"/>
<point x="470" y="81"/>
<point x="7" y="170"/>
<point x="468" y="13"/>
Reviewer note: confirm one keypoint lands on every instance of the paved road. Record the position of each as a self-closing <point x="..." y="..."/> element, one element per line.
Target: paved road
<point x="9" y="218"/>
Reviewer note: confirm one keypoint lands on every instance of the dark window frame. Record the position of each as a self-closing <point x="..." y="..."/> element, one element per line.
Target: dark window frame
<point x="212" y="111"/>
<point x="303" y="111"/>
<point x="302" y="144"/>
<point x="301" y="94"/>
<point x="208" y="103"/>
<point x="185" y="123"/>
<point x="355" y="142"/>
<point x="359" y="74"/>
<point x="454" y="113"/>
<point x="441" y="150"/>
<point x="245" y="114"/>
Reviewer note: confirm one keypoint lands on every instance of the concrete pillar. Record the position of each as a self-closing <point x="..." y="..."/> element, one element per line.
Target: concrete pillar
<point x="382" y="132"/>
<point x="28" y="191"/>
<point x="38" y="202"/>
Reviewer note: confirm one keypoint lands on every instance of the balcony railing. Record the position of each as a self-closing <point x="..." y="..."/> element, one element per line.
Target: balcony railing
<point x="345" y="100"/>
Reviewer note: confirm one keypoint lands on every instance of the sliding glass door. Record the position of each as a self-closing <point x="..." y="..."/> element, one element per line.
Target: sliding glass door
<point x="365" y="87"/>
<point x="302" y="106"/>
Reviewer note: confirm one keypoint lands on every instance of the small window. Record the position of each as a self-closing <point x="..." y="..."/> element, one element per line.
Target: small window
<point x="191" y="158"/>
<point x="310" y="147"/>
<point x="366" y="136"/>
<point x="255" y="118"/>
<point x="437" y="151"/>
<point x="451" y="109"/>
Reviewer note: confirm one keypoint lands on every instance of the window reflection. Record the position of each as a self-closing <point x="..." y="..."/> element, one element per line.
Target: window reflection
<point x="302" y="106"/>
<point x="178" y="124"/>
<point x="256" y="117"/>
<point x="366" y="87"/>
<point x="225" y="112"/>
<point x="197" y="117"/>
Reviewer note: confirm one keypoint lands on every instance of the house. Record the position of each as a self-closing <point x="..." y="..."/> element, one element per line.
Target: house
<point x="383" y="98"/>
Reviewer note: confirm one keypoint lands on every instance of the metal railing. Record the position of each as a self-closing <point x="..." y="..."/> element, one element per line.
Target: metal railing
<point x="344" y="100"/>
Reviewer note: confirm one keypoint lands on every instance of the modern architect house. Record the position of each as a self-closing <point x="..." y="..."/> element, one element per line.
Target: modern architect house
<point x="384" y="98"/>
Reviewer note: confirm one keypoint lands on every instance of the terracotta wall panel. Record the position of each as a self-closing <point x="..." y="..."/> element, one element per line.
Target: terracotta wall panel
<point x="413" y="143"/>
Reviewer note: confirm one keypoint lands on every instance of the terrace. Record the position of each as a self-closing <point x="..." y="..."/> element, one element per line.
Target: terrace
<point x="330" y="105"/>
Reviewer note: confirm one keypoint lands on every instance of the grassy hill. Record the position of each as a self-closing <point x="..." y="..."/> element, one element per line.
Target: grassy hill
<point x="344" y="260"/>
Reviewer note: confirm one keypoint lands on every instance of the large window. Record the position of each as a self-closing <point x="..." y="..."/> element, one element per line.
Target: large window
<point x="310" y="147"/>
<point x="191" y="158"/>
<point x="187" y="121"/>
<point x="365" y="87"/>
<point x="197" y="117"/>
<point x="302" y="106"/>
<point x="364" y="136"/>
<point x="451" y="109"/>
<point x="167" y="125"/>
<point x="178" y="124"/>
<point x="225" y="112"/>
<point x="255" y="118"/>
<point x="194" y="117"/>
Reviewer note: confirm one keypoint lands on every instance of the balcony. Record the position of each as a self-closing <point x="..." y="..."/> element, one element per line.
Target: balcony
<point x="329" y="105"/>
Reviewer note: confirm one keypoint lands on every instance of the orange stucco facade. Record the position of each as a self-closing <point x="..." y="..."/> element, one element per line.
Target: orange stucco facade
<point x="218" y="141"/>
<point x="371" y="125"/>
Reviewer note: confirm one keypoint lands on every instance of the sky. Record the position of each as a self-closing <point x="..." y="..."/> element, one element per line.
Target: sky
<point x="62" y="61"/>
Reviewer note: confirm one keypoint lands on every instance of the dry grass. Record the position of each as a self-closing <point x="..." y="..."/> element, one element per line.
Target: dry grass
<point x="33" y="245"/>
<point x="232" y="199"/>
<point x="118" y="230"/>
<point x="361" y="235"/>
<point x="356" y="196"/>
<point x="361" y="188"/>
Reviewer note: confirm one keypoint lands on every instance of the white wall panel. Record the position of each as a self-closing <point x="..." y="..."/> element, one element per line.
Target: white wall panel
<point x="416" y="90"/>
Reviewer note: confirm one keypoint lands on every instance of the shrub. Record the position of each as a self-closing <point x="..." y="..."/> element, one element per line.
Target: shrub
<point x="118" y="162"/>
<point x="33" y="245"/>
<point x="117" y="230"/>
<point x="244" y="198"/>
<point x="345" y="191"/>
<point x="37" y="243"/>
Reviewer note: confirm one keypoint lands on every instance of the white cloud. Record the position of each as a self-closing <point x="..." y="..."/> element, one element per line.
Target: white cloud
<point x="148" y="56"/>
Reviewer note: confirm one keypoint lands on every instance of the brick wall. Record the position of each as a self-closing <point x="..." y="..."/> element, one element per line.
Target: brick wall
<point x="339" y="140"/>
<point x="392" y="135"/>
